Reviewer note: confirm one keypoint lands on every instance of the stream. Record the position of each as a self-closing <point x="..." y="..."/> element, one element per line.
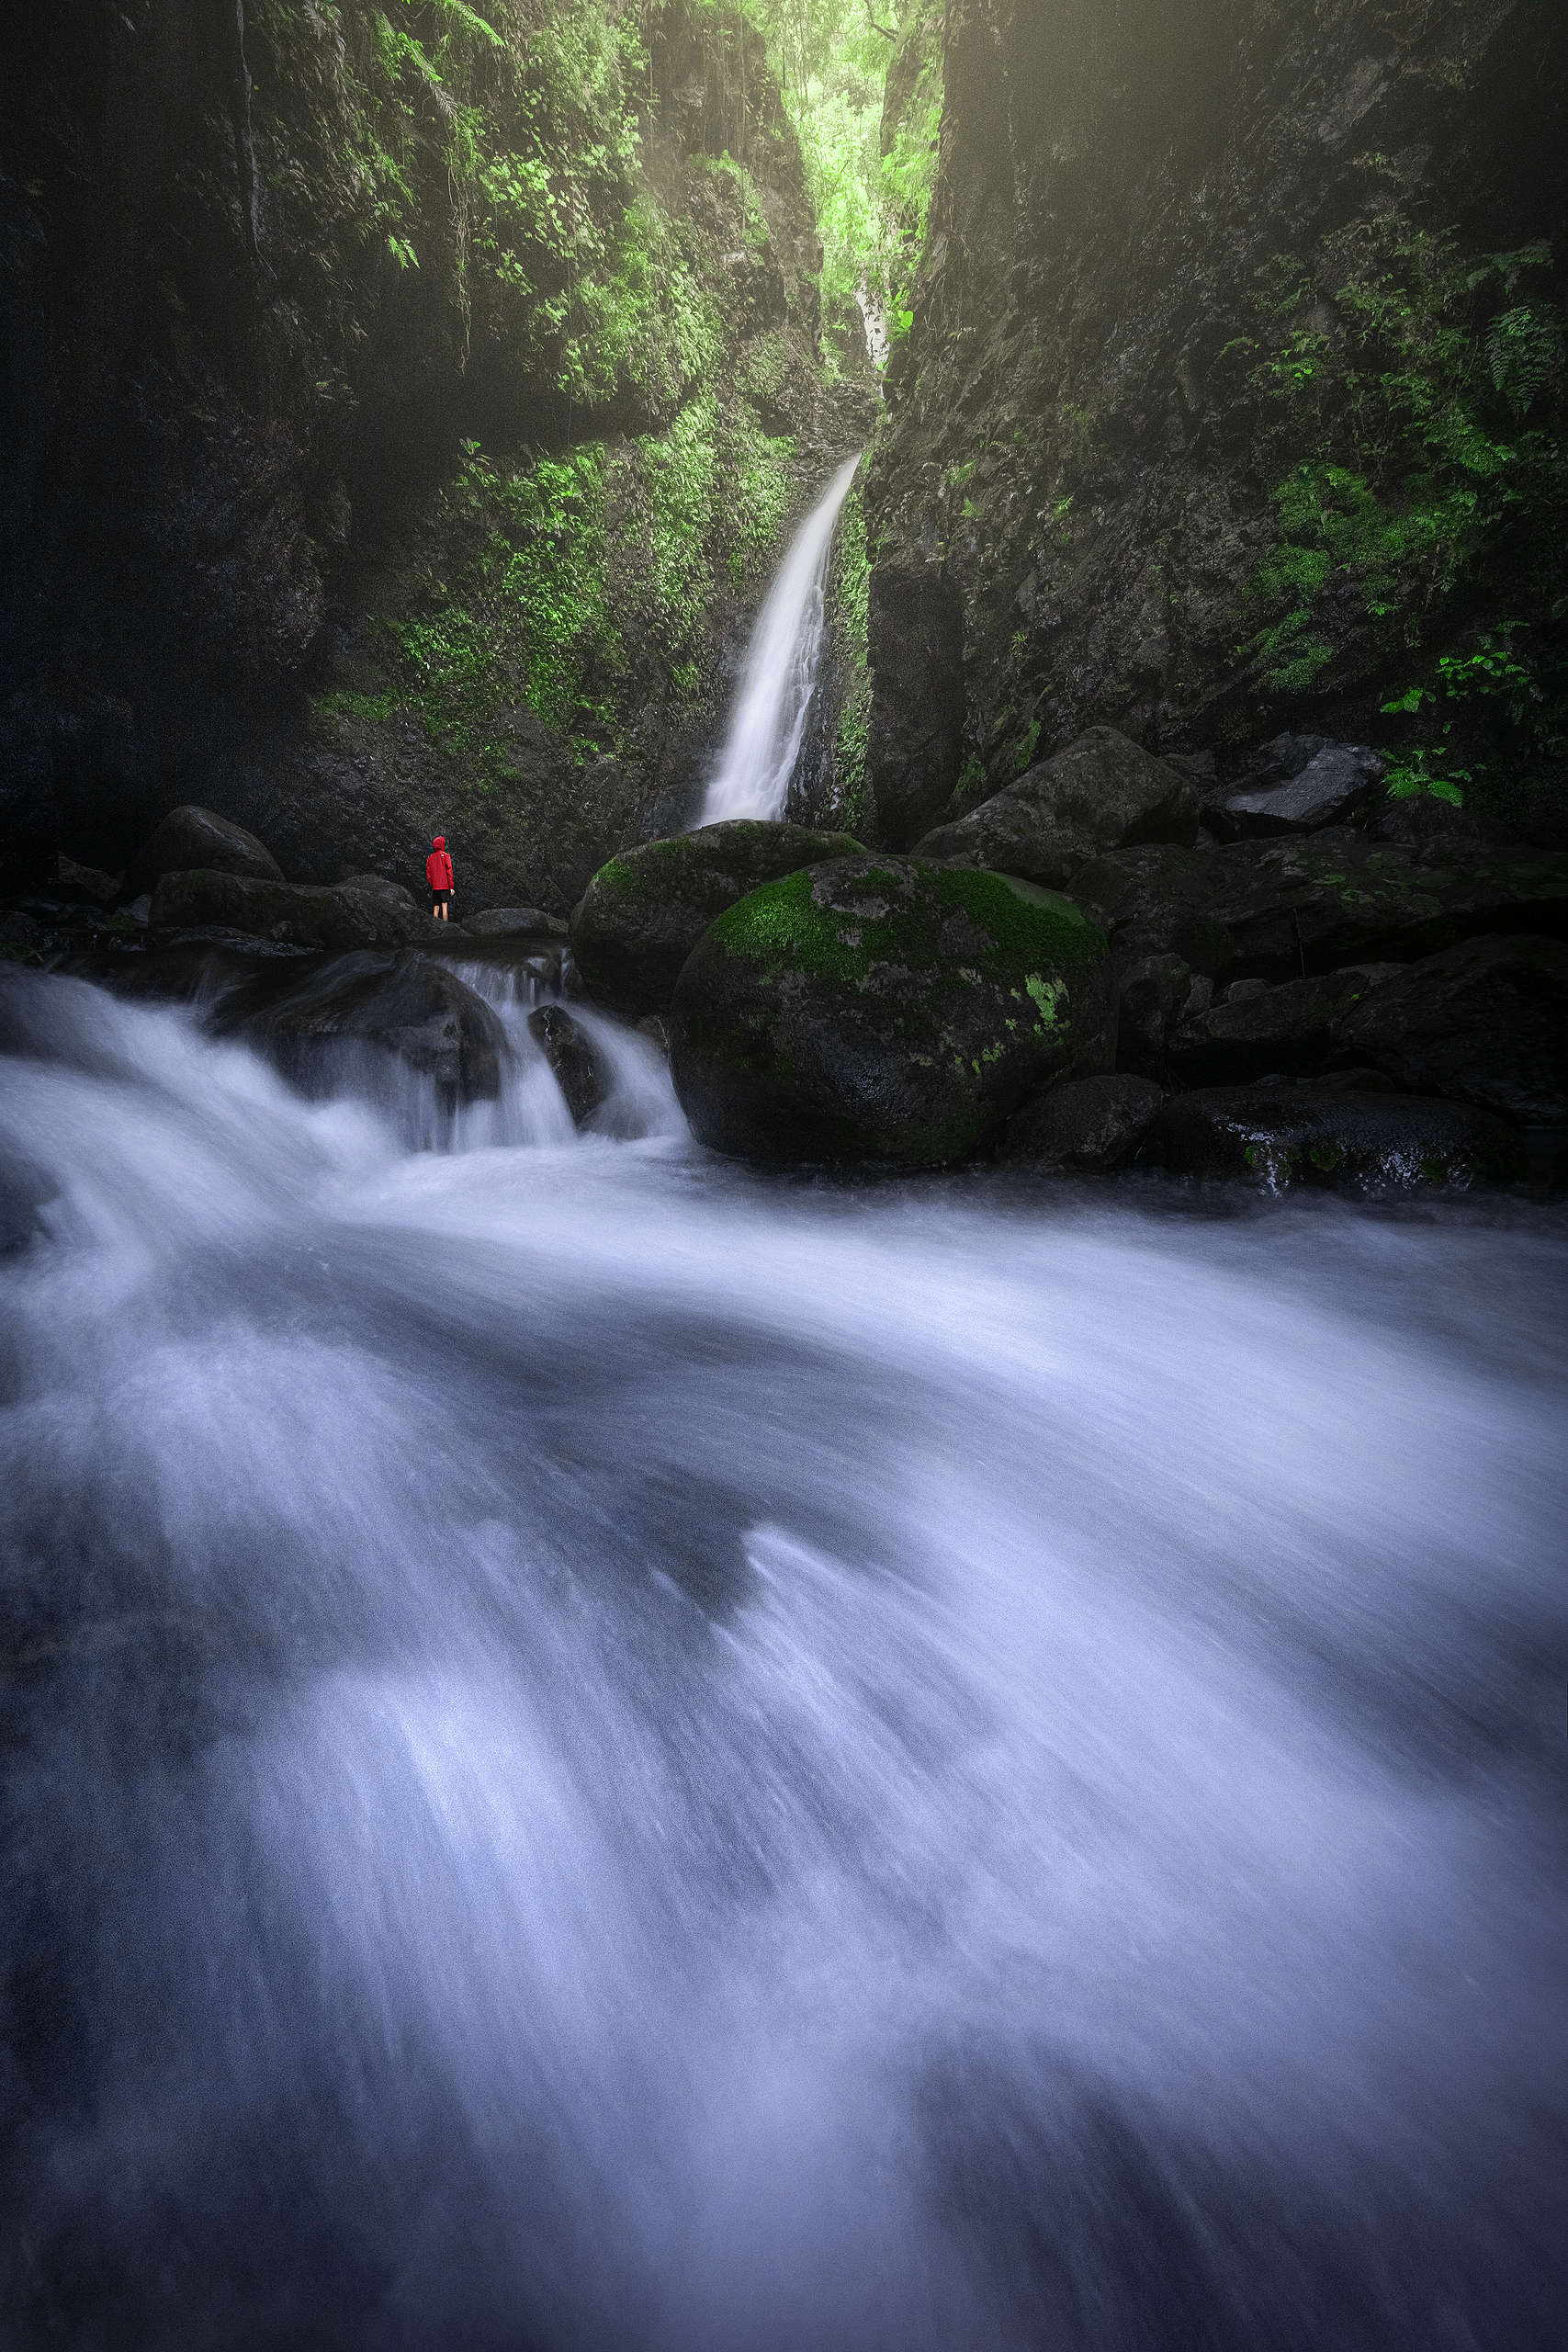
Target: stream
<point x="605" y="1751"/>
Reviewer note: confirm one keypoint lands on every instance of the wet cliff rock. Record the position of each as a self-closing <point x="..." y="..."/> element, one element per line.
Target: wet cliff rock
<point x="403" y="408"/>
<point x="1233" y="397"/>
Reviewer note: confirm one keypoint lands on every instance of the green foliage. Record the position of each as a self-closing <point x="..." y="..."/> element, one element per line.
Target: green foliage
<point x="866" y="106"/>
<point x="1430" y="403"/>
<point x="1497" y="671"/>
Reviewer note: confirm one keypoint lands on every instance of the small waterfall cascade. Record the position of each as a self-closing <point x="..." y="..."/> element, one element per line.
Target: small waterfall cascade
<point x="779" y="679"/>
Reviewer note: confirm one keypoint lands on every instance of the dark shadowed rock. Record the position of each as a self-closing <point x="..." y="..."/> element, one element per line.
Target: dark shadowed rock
<point x="1335" y="783"/>
<point x="191" y="837"/>
<point x="409" y="1006"/>
<point x="1486" y="1022"/>
<point x="1254" y="1029"/>
<point x="1279" y="910"/>
<point x="1435" y="831"/>
<point x="644" y="912"/>
<point x="1277" y="1135"/>
<point x="581" y="1070"/>
<point x="881" y="1009"/>
<point x="86" y="884"/>
<point x="1084" y="1124"/>
<point x="1102" y="792"/>
<point x="363" y="912"/>
<point x="916" y="645"/>
<point x="501" y="923"/>
<point x="1153" y="994"/>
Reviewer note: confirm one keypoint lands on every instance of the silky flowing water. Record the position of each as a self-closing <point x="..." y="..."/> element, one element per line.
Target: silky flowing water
<point x="780" y="673"/>
<point x="604" y="1751"/>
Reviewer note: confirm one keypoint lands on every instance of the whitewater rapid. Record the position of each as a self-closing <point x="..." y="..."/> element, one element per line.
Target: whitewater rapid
<point x="604" y="1751"/>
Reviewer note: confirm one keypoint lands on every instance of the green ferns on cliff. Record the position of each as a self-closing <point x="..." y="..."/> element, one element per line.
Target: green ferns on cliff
<point x="1426" y="414"/>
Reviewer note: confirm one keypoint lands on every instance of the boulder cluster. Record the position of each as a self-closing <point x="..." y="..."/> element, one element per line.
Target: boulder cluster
<point x="1113" y="959"/>
<point x="1109" y="960"/>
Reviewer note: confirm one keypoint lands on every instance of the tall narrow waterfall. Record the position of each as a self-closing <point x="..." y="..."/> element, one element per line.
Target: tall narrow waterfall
<point x="765" y="735"/>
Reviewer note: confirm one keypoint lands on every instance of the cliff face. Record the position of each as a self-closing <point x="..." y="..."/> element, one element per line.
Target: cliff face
<point x="403" y="407"/>
<point x="1233" y="396"/>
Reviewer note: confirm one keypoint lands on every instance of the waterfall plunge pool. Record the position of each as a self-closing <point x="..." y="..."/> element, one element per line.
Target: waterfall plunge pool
<point x="604" y="1751"/>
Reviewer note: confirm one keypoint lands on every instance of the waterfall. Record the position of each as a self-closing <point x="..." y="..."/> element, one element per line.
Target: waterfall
<point x="752" y="777"/>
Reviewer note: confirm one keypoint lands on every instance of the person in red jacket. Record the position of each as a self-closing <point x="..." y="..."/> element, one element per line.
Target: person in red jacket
<point x="438" y="873"/>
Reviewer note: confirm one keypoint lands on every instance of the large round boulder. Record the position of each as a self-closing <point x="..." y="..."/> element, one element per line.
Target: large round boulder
<point x="643" y="913"/>
<point x="1103" y="792"/>
<point x="191" y="837"/>
<point x="878" y="1008"/>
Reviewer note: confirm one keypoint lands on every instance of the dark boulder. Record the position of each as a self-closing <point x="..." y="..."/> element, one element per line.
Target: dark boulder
<point x="86" y="884"/>
<point x="190" y="838"/>
<point x="1087" y="1124"/>
<point x="1486" y="1022"/>
<point x="1338" y="780"/>
<point x="1254" y="1030"/>
<point x="506" y="923"/>
<point x="915" y="648"/>
<point x="1435" y="831"/>
<point x="1277" y="1135"/>
<point x="882" y="1008"/>
<point x="363" y="912"/>
<point x="643" y="913"/>
<point x="1103" y="792"/>
<point x="408" y="1006"/>
<point x="1153" y="993"/>
<point x="581" y="1071"/>
<point x="1279" y="910"/>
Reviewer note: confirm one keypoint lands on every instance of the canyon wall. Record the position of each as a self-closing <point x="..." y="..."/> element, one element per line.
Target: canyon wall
<point x="402" y="411"/>
<point x="1233" y="396"/>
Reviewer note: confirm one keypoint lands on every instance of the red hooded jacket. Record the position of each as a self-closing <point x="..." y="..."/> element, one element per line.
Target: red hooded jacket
<point x="438" y="865"/>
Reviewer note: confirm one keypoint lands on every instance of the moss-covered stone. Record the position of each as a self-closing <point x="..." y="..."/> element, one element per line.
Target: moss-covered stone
<point x="1274" y="1137"/>
<point x="876" y="1008"/>
<point x="644" y="912"/>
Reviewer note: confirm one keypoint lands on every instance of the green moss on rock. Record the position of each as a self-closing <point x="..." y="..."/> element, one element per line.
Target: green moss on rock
<point x="882" y="1008"/>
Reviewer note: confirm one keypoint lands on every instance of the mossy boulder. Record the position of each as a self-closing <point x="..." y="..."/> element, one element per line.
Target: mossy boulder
<point x="883" y="1009"/>
<point x="643" y="913"/>
<point x="1275" y="1136"/>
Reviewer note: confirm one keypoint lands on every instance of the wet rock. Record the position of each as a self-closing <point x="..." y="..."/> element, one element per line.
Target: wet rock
<point x="1103" y="792"/>
<point x="1089" y="1124"/>
<point x="644" y="912"/>
<point x="1486" y="1022"/>
<point x="409" y="1006"/>
<point x="192" y="838"/>
<point x="1274" y="1137"/>
<point x="881" y="1009"/>
<point x="1435" y="831"/>
<point x="363" y="912"/>
<point x="581" y="1070"/>
<point x="1153" y="994"/>
<point x="1255" y="1029"/>
<point x="1283" y="909"/>
<point x="1337" y="781"/>
<point x="86" y="884"/>
<point x="502" y="922"/>
<point x="18" y="929"/>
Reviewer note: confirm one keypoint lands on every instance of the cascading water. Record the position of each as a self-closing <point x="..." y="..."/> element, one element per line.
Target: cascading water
<point x="779" y="677"/>
<point x="605" y="1754"/>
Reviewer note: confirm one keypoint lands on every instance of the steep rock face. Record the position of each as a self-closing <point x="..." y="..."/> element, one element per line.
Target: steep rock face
<point x="1234" y="392"/>
<point x="403" y="408"/>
